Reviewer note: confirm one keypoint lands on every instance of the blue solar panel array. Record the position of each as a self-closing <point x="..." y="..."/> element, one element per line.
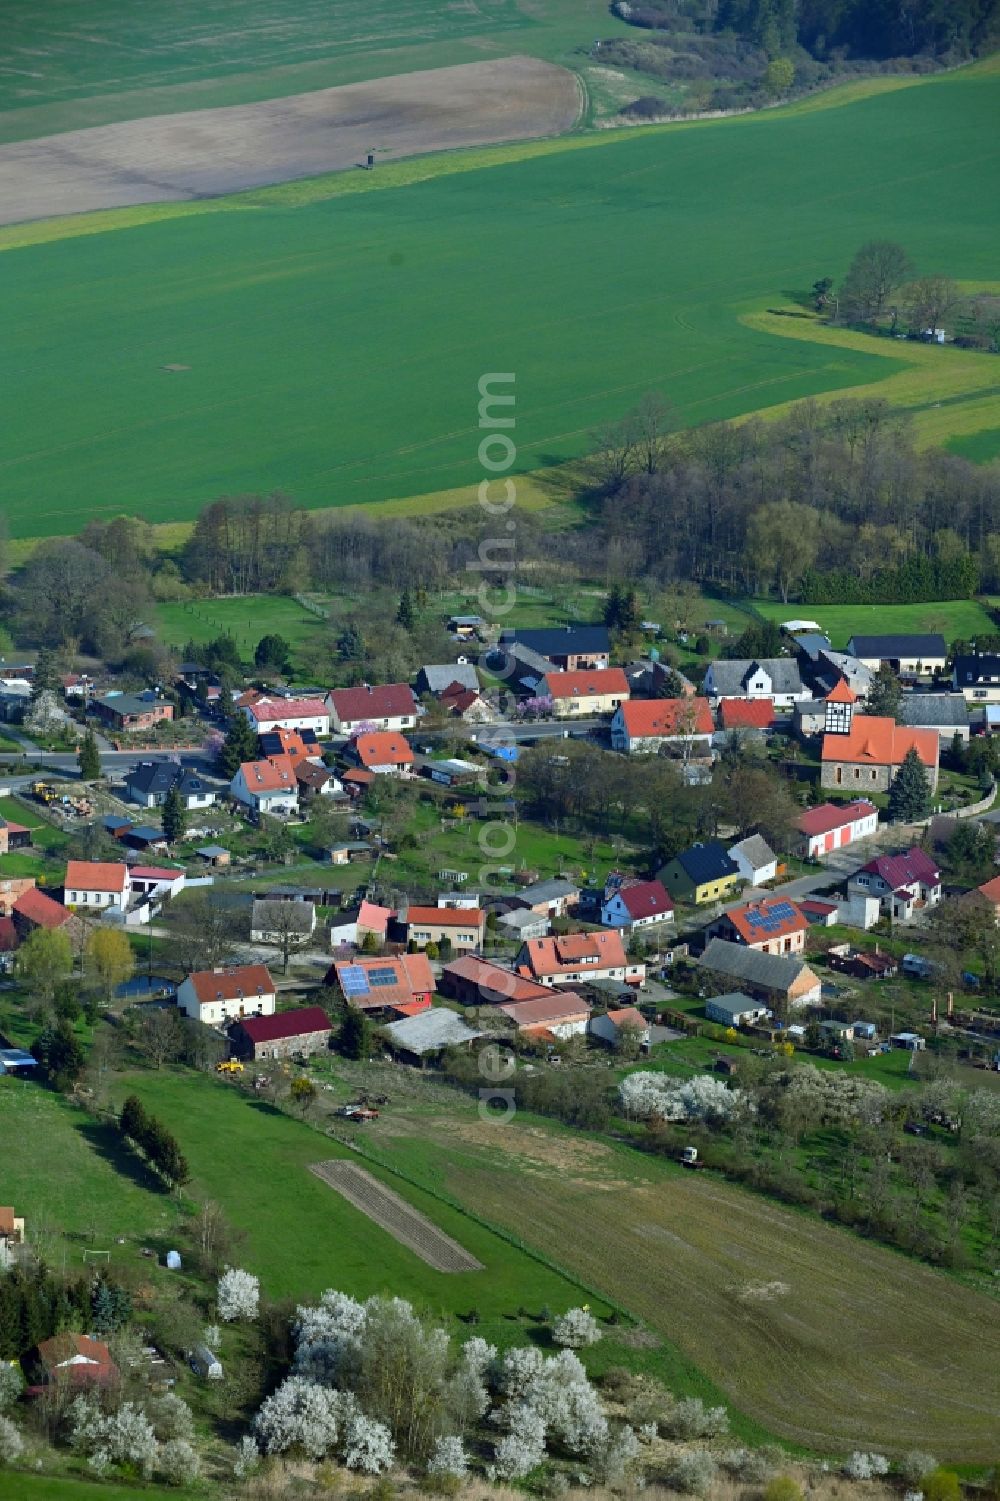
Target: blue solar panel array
<point x="354" y="980"/>
<point x="770" y="920"/>
<point x="377" y="977"/>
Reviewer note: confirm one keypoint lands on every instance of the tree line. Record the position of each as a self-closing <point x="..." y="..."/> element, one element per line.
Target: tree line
<point x="154" y="1141"/>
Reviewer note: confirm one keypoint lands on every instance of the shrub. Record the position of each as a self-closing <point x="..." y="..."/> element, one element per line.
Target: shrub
<point x="448" y="1458"/>
<point x="517" y="1455"/>
<point x="368" y="1445"/>
<point x="247" y="1461"/>
<point x="171" y="1417"/>
<point x="864" y="1466"/>
<point x="754" y="1466"/>
<point x="238" y="1295"/>
<point x="694" y="1473"/>
<point x="576" y="1329"/>
<point x="178" y="1463"/>
<point x="941" y="1485"/>
<point x="690" y="1418"/>
<point x="915" y="1465"/>
<point x="11" y="1385"/>
<point x="11" y="1442"/>
<point x="783" y="1488"/>
<point x="300" y="1415"/>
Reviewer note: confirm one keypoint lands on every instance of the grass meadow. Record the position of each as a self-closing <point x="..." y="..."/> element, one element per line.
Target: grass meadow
<point x="954" y="619"/>
<point x="334" y="346"/>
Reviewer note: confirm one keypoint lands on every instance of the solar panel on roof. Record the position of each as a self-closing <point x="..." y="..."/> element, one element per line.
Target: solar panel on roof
<point x="378" y="977"/>
<point x="353" y="980"/>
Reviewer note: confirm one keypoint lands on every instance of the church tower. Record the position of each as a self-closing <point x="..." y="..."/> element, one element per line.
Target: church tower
<point x="840" y="702"/>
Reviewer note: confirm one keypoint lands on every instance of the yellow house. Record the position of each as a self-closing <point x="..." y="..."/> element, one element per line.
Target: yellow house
<point x="703" y="873"/>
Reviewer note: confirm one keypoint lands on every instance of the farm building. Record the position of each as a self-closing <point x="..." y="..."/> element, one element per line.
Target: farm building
<point x="422" y="1037"/>
<point x="552" y="898"/>
<point x="306" y="1030"/>
<point x="776" y="679"/>
<point x="908" y="656"/>
<point x="13" y="836"/>
<point x="215" y="855"/>
<point x="214" y="996"/>
<point x="616" y="1026"/>
<point x="34" y="909"/>
<point x="75" y="1360"/>
<point x="475" y="982"/>
<point x="833" y="826"/>
<point x="561" y="1013"/>
<point x="400" y="984"/>
<point x="735" y="1010"/>
<point x="947" y="713"/>
<point x="778" y="979"/>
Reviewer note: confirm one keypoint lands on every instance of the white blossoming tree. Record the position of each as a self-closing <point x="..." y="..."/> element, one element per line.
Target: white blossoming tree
<point x="649" y="1096"/>
<point x="368" y="1445"/>
<point x="302" y="1416"/>
<point x="576" y="1329"/>
<point x="11" y="1442"/>
<point x="178" y="1462"/>
<point x="448" y="1457"/>
<point x="238" y="1295"/>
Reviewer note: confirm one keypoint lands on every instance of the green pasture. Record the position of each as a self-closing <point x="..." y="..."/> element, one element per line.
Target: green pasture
<point x="981" y="448"/>
<point x="246" y="618"/>
<point x="954" y="619"/>
<point x="133" y="59"/>
<point x="16" y="1485"/>
<point x="335" y="347"/>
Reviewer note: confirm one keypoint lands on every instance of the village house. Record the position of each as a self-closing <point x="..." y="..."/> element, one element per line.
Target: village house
<point x="554" y="898"/>
<point x="11" y="1234"/>
<point x="464" y="927"/>
<point x="703" y="873"/>
<point x="402" y="985"/>
<point x="617" y="1026"/>
<point x="273" y="713"/>
<point x="557" y="1014"/>
<point x="637" y="904"/>
<point x="465" y="703"/>
<point x="680" y="724"/>
<point x="904" y="884"/>
<point x="95" y="883"/>
<point x="755" y="859"/>
<point x="214" y="996"/>
<point x="863" y="752"/>
<point x="977" y="677"/>
<point x="129" y="712"/>
<point x="595" y="690"/>
<point x="305" y="1030"/>
<point x="36" y="909"/>
<point x="569" y="648"/>
<point x="833" y="826"/>
<point x="298" y="745"/>
<point x="478" y="982"/>
<point x="438" y="677"/>
<point x="13" y="836"/>
<point x="780" y="980"/>
<point x="383" y="753"/>
<point x="772" y="926"/>
<point x="774" y="678"/>
<point x="990" y="892"/>
<point x="751" y="717"/>
<point x="735" y="1010"/>
<point x="150" y="783"/>
<point x="389" y="706"/>
<point x="267" y="786"/>
<point x="570" y="958"/>
<point x="74" y="1360"/>
<point x="11" y="888"/>
<point x="908" y="656"/>
<point x="156" y="882"/>
<point x="315" y="780"/>
<point x="946" y="713"/>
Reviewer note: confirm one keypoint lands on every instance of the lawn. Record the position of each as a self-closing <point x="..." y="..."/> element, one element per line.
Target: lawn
<point x="17" y="1486"/>
<point x="335" y="344"/>
<point x="954" y="619"/>
<point x="134" y="59"/>
<point x="829" y="1340"/>
<point x="246" y="619"/>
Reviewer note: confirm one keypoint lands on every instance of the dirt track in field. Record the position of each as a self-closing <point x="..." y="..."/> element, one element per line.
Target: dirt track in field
<point x="394" y="1215"/>
<point x="206" y="153"/>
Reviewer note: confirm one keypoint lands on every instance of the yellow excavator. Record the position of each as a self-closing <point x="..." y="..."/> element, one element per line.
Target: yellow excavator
<point x="229" y="1066"/>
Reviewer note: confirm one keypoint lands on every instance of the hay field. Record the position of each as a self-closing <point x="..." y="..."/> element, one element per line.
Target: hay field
<point x="825" y="1339"/>
<point x="333" y="346"/>
<point x="169" y="158"/>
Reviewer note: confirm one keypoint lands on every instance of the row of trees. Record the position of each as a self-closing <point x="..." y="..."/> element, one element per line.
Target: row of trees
<point x="154" y="1141"/>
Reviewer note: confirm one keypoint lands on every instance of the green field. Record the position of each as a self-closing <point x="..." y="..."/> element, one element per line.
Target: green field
<point x="22" y="1487"/>
<point x="335" y="344"/>
<point x="954" y="619"/>
<point x="981" y="448"/>
<point x="133" y="59"/>
<point x="246" y="619"/>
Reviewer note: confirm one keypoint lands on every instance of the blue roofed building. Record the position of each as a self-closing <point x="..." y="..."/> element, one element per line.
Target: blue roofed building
<point x="703" y="873"/>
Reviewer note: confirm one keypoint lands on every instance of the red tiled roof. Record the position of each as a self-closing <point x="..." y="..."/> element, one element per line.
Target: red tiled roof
<point x="243" y="982"/>
<point x="547" y="1010"/>
<point x="551" y="956"/>
<point x="587" y="683"/>
<point x="385" y="701"/>
<point x="373" y="918"/>
<point x="820" y="909"/>
<point x="77" y="1359"/>
<point x="830" y="816"/>
<point x="277" y="774"/>
<point x="746" y="713"/>
<point x="8" y="935"/>
<point x="646" y="898"/>
<point x="990" y="890"/>
<point x="495" y="983"/>
<point x="769" y="911"/>
<point x="646" y="717"/>
<point x="875" y="740"/>
<point x="841" y="693"/>
<point x="383" y="748"/>
<point x="266" y="710"/>
<point x="359" y="776"/>
<point x="412" y="1008"/>
<point x="446" y="917"/>
<point x="40" y="909"/>
<point x="95" y="875"/>
<point x="156" y="872"/>
<point x="628" y="1016"/>
<point x="413" y="978"/>
<point x="286" y="1024"/>
<point x="458" y="698"/>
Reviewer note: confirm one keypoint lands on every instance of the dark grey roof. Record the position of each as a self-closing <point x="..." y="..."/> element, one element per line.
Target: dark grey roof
<point x="729" y="679"/>
<point x="430" y="1031"/>
<point x="812" y="643"/>
<point x="706" y="862"/>
<point x="981" y="668"/>
<point x="755" y="849"/>
<point x="548" y="891"/>
<point x="734" y="1002"/>
<point x="562" y="640"/>
<point x="439" y="676"/>
<point x="934" y="711"/>
<point x="890" y="648"/>
<point x="151" y="777"/>
<point x="734" y="960"/>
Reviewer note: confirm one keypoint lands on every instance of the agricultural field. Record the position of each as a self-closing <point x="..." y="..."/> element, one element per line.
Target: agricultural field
<point x="18" y="1486"/>
<point x="956" y="619"/>
<point x="332" y="335"/>
<point x="829" y="1340"/>
<point x="134" y="60"/>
